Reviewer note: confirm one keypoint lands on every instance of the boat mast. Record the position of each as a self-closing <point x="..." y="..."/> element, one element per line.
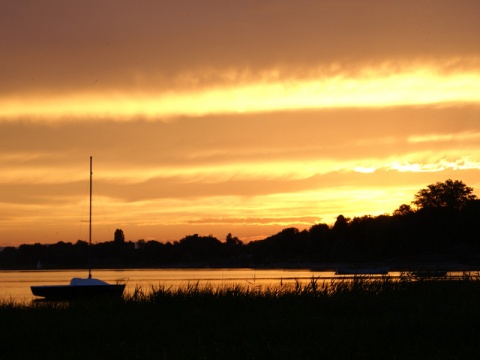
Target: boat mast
<point x="90" y="227"/>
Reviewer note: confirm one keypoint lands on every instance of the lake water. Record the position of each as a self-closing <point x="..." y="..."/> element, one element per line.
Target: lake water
<point x="16" y="284"/>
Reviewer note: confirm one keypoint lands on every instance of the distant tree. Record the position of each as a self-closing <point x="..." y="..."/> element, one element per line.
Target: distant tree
<point x="232" y="240"/>
<point x="320" y="231"/>
<point x="119" y="237"/>
<point x="403" y="209"/>
<point x="199" y="248"/>
<point x="449" y="194"/>
<point x="341" y="226"/>
<point x="320" y="235"/>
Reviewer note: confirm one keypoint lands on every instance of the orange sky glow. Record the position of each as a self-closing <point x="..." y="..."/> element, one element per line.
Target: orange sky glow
<point x="215" y="118"/>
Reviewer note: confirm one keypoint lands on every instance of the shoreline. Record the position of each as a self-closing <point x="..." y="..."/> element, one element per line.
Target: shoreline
<point x="324" y="267"/>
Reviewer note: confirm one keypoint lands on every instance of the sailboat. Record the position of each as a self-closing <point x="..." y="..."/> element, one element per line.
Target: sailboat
<point x="81" y="288"/>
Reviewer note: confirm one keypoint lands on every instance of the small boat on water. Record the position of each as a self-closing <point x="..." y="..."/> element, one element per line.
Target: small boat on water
<point x="81" y="288"/>
<point x="362" y="271"/>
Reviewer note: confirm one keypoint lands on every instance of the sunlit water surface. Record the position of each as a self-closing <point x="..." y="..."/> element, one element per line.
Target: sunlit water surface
<point x="16" y="284"/>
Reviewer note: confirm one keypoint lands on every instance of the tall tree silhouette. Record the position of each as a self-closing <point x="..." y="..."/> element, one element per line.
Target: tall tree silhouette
<point x="450" y="194"/>
<point x="119" y="237"/>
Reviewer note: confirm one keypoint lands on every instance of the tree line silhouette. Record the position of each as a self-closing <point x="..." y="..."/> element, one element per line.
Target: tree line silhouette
<point x="441" y="225"/>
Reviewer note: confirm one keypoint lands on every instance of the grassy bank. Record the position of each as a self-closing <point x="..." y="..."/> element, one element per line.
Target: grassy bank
<point x="360" y="319"/>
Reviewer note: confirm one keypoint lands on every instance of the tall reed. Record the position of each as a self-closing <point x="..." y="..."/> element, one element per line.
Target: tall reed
<point x="357" y="318"/>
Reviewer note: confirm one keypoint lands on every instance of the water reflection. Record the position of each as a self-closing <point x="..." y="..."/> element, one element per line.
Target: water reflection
<point x="16" y="284"/>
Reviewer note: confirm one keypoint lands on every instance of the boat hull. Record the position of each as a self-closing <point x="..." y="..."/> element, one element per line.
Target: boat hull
<point x="72" y="292"/>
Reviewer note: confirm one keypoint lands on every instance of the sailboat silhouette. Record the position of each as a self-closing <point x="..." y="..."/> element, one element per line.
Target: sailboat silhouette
<point x="81" y="288"/>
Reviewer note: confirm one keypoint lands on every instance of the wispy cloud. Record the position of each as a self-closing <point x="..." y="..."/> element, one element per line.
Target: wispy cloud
<point x="457" y="137"/>
<point x="418" y="86"/>
<point x="464" y="163"/>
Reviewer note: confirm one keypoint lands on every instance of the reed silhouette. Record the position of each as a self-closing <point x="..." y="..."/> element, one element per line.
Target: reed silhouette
<point x="362" y="319"/>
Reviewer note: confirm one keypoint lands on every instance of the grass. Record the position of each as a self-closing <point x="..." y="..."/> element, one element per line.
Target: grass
<point x="361" y="319"/>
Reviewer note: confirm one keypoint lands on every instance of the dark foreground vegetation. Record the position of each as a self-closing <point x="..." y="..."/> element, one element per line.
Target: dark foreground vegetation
<point x="360" y="319"/>
<point x="441" y="225"/>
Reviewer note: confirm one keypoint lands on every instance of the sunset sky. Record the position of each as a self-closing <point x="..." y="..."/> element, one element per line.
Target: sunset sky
<point x="242" y="117"/>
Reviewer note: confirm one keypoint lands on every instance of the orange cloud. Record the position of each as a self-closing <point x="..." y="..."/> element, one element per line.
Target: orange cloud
<point x="412" y="87"/>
